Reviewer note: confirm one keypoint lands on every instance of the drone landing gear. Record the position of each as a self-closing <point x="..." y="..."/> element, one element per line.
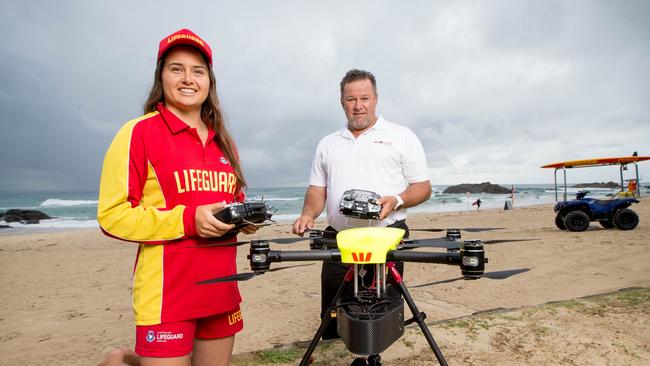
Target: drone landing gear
<point x="374" y="358"/>
<point x="418" y="316"/>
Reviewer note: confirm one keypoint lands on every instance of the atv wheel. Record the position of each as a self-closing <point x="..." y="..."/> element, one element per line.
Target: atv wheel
<point x="626" y="219"/>
<point x="606" y="224"/>
<point x="559" y="222"/>
<point x="576" y="221"/>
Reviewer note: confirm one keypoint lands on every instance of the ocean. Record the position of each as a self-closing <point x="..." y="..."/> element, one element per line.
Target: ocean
<point x="74" y="210"/>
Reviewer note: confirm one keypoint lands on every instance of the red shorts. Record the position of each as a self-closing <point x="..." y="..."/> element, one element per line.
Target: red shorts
<point x="177" y="339"/>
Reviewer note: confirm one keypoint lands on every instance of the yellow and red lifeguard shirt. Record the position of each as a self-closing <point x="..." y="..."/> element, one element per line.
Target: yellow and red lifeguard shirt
<point x="156" y="172"/>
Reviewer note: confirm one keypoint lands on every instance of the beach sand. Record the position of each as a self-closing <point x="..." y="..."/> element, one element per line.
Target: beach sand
<point x="66" y="295"/>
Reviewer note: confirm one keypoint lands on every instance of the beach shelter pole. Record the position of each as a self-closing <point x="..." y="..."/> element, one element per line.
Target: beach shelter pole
<point x="621" y="168"/>
<point x="555" y="183"/>
<point x="564" y="171"/>
<point x="555" y="180"/>
<point x="638" y="182"/>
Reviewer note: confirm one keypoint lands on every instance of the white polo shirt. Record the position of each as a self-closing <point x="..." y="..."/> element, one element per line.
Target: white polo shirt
<point x="384" y="159"/>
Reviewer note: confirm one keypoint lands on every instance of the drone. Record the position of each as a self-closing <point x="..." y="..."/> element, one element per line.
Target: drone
<point x="371" y="319"/>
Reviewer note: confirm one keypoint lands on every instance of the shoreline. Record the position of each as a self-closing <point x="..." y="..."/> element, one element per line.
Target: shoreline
<point x="415" y="211"/>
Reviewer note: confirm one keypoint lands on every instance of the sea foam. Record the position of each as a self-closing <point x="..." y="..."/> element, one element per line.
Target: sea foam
<point x="52" y="202"/>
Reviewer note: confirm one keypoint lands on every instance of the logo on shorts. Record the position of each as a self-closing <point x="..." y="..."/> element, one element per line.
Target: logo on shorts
<point x="162" y="337"/>
<point x="234" y="318"/>
<point x="151" y="336"/>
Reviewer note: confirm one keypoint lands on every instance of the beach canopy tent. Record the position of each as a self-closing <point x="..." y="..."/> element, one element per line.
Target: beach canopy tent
<point x="622" y="162"/>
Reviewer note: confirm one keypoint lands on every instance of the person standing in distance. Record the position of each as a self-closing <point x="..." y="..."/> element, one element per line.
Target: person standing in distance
<point x="164" y="176"/>
<point x="371" y="154"/>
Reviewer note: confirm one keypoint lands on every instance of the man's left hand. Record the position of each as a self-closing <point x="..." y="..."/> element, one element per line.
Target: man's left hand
<point x="388" y="204"/>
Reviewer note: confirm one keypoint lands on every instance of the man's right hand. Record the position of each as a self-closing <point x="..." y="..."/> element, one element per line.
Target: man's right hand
<point x="303" y="223"/>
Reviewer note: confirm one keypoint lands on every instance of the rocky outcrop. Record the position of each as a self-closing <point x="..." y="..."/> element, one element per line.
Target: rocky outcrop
<point x="485" y="187"/>
<point x="609" y="184"/>
<point x="23" y="216"/>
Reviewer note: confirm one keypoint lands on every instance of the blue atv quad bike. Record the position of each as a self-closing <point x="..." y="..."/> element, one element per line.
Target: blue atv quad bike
<point x="576" y="215"/>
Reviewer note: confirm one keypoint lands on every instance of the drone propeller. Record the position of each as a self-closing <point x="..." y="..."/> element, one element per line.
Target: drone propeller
<point x="448" y="244"/>
<point x="236" y="277"/>
<point x="497" y="241"/>
<point x="468" y="229"/>
<point x="495" y="275"/>
<point x="321" y="232"/>
<point x="502" y="275"/>
<point x="244" y="276"/>
<point x="240" y="243"/>
<point x="315" y="234"/>
<point x="287" y="240"/>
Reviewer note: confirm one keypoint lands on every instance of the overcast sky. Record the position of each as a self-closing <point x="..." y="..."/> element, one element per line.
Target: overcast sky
<point x="494" y="89"/>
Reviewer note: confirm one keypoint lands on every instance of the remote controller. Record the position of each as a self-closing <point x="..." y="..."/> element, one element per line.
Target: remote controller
<point x="243" y="213"/>
<point x="360" y="204"/>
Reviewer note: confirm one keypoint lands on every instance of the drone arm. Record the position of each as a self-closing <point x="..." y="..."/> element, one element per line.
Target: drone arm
<point x="424" y="257"/>
<point x="304" y="255"/>
<point x="335" y="255"/>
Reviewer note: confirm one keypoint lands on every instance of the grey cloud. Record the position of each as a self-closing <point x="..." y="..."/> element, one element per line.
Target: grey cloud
<point x="493" y="90"/>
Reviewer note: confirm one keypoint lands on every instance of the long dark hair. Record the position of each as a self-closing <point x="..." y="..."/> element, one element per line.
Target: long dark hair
<point x="210" y="114"/>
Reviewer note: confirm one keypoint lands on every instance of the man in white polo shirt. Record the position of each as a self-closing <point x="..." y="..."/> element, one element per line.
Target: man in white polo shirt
<point x="371" y="154"/>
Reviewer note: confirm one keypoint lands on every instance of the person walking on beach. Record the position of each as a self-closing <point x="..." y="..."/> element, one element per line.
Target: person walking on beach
<point x="164" y="175"/>
<point x="371" y="154"/>
<point x="477" y="203"/>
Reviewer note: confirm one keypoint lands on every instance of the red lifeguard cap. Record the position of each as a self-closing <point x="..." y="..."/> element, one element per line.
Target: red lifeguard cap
<point x="187" y="38"/>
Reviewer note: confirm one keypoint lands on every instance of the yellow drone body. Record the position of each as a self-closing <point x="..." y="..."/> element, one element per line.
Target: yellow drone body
<point x="367" y="244"/>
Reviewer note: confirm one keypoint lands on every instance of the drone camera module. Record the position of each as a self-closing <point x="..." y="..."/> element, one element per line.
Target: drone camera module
<point x="472" y="263"/>
<point x="360" y="204"/>
<point x="259" y="255"/>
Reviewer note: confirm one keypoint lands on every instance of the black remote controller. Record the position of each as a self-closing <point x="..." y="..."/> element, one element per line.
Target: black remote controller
<point x="360" y="204"/>
<point x="243" y="213"/>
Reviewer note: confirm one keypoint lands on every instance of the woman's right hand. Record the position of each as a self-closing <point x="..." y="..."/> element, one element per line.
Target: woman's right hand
<point x="206" y="225"/>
